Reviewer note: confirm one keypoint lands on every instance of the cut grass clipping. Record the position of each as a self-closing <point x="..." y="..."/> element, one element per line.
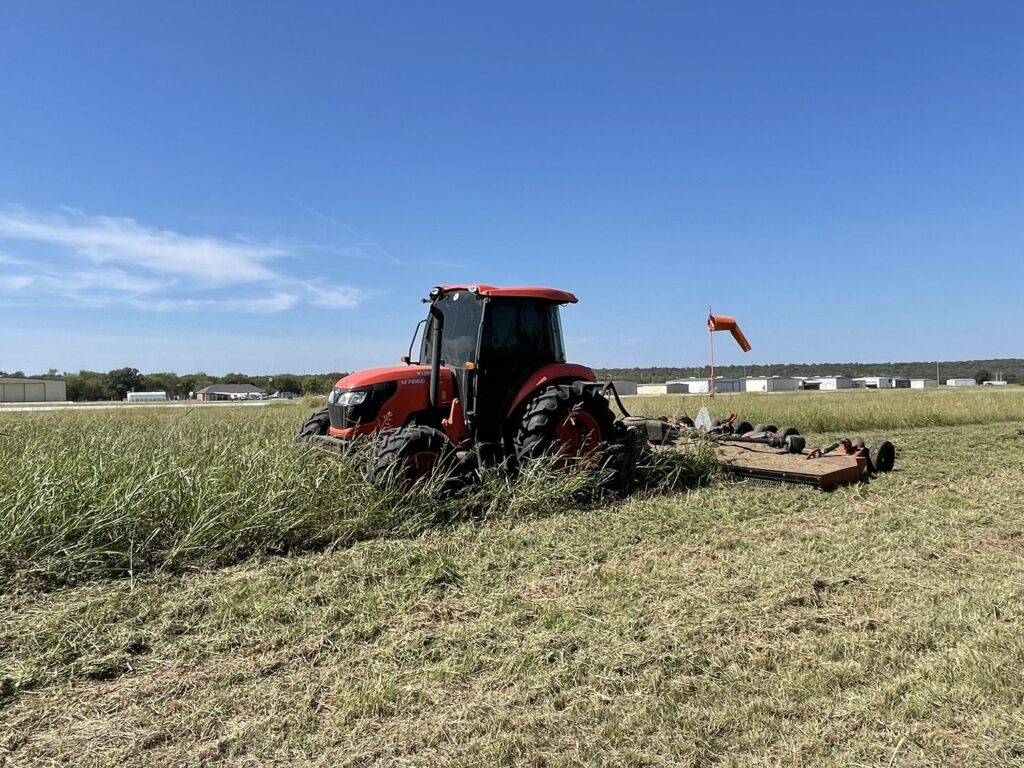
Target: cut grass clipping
<point x="86" y="495"/>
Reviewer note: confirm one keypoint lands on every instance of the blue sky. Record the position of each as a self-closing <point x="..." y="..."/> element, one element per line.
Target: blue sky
<point x="273" y="186"/>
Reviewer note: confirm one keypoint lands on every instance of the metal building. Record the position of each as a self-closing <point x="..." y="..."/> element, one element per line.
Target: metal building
<point x="625" y="387"/>
<point x="671" y="388"/>
<point x="922" y="383"/>
<point x="146" y="397"/>
<point x="828" y="382"/>
<point x="961" y="383"/>
<point x="769" y="384"/>
<point x="873" y="382"/>
<point x="701" y="386"/>
<point x="15" y="390"/>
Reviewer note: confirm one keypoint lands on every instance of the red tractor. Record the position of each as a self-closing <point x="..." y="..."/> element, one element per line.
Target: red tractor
<point x="491" y="382"/>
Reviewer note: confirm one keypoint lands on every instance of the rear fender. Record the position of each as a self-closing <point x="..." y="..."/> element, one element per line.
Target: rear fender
<point x="555" y="373"/>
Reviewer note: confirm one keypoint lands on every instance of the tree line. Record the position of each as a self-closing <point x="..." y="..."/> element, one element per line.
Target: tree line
<point x="1008" y="369"/>
<point x="116" y="384"/>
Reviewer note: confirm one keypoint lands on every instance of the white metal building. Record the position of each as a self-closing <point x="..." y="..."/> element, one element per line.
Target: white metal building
<point x="902" y="383"/>
<point x="769" y="384"/>
<point x="996" y="383"/>
<point x="146" y="397"/>
<point x="18" y="390"/>
<point x="829" y="383"/>
<point x="961" y="383"/>
<point x="922" y="383"/>
<point x="873" y="382"/>
<point x="671" y="388"/>
<point x="701" y="386"/>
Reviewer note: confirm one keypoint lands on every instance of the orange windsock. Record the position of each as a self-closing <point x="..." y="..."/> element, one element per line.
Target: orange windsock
<point x="726" y="323"/>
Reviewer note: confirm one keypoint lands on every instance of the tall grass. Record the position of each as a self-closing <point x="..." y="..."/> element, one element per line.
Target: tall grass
<point x="84" y="495"/>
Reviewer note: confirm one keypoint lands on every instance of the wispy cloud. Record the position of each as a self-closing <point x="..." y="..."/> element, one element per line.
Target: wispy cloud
<point x="15" y="282"/>
<point x="110" y="240"/>
<point x="100" y="261"/>
<point x="335" y="297"/>
<point x="278" y="302"/>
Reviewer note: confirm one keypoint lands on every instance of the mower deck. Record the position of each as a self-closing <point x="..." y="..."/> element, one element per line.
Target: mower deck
<point x="758" y="462"/>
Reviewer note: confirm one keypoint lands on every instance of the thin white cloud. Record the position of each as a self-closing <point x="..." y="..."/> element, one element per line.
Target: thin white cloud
<point x="13" y="260"/>
<point x="14" y="282"/>
<point x="101" y="261"/>
<point x="106" y="239"/>
<point x="278" y="302"/>
<point x="335" y="297"/>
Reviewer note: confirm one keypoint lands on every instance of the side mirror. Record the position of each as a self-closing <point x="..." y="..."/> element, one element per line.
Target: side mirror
<point x="404" y="359"/>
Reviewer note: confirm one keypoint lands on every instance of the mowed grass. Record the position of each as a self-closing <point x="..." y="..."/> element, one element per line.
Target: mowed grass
<point x="727" y="625"/>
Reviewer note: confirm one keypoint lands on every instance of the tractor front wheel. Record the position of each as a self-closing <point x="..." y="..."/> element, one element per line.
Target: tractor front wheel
<point x="316" y="424"/>
<point x="565" y="420"/>
<point x="412" y="453"/>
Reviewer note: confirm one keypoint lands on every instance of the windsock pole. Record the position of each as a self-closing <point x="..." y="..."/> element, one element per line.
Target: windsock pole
<point x="711" y="350"/>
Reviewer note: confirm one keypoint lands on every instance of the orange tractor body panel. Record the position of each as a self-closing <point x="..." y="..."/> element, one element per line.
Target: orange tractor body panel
<point x="411" y="395"/>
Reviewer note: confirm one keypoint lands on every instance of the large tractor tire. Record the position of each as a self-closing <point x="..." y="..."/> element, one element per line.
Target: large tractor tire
<point x="414" y="453"/>
<point x="566" y="420"/>
<point x="316" y="424"/>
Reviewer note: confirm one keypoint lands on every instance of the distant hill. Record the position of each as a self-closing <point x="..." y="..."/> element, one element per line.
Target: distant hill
<point x="1010" y="369"/>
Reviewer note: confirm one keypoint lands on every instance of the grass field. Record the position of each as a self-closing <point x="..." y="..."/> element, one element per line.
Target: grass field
<point x="716" y="624"/>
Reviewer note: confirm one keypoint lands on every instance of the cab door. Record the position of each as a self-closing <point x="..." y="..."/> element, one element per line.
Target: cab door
<point x="516" y="338"/>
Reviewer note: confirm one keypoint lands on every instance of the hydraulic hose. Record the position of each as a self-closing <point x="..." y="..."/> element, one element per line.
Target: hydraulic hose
<point x="610" y="386"/>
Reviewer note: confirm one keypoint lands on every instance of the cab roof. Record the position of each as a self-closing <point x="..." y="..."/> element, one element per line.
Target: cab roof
<point x="520" y="291"/>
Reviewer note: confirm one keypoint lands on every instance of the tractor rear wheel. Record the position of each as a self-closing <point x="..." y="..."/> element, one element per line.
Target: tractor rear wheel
<point x="414" y="453"/>
<point x="317" y="424"/>
<point x="565" y="420"/>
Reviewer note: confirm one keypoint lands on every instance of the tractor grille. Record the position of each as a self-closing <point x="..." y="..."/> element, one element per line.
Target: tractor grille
<point x="366" y="412"/>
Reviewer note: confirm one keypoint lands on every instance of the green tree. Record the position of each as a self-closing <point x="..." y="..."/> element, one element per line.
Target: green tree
<point x="119" y="382"/>
<point x="982" y="375"/>
<point x="287" y="382"/>
<point x="85" y="385"/>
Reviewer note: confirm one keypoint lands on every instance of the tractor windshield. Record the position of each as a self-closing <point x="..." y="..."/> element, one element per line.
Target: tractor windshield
<point x="462" y="311"/>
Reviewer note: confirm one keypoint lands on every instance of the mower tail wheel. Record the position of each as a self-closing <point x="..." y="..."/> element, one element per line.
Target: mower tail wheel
<point x="883" y="456"/>
<point x="764" y="428"/>
<point x="317" y="424"/>
<point x="566" y="420"/>
<point x="785" y="432"/>
<point x="413" y="453"/>
<point x="795" y="443"/>
<point x="742" y="427"/>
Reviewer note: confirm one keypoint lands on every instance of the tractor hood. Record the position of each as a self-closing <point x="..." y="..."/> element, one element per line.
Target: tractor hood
<point x="401" y="373"/>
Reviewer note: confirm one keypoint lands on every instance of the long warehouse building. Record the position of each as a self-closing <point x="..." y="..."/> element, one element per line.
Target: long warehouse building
<point x="18" y="390"/>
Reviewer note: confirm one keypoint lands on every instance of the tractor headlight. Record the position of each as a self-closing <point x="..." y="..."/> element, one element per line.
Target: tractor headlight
<point x="353" y="397"/>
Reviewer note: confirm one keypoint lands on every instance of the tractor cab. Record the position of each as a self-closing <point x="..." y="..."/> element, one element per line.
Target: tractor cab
<point x="493" y="343"/>
<point x="491" y="379"/>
